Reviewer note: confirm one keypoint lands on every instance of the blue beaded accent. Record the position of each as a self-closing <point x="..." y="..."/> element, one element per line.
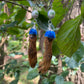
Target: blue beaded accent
<point x="50" y="34"/>
<point x="33" y="31"/>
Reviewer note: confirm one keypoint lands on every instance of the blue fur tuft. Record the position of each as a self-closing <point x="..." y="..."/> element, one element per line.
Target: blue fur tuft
<point x="33" y="31"/>
<point x="50" y="34"/>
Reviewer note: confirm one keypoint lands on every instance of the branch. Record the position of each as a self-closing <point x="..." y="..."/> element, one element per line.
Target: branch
<point x="50" y="6"/>
<point x="3" y="41"/>
<point x="22" y="6"/>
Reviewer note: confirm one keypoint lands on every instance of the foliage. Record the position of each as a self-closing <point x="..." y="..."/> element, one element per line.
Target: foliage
<point x="82" y="67"/>
<point x="79" y="54"/>
<point x="14" y="46"/>
<point x="68" y="37"/>
<point x="82" y="8"/>
<point x="42" y="20"/>
<point x="55" y="49"/>
<point x="71" y="62"/>
<point x="60" y="11"/>
<point x="32" y="74"/>
<point x="59" y="80"/>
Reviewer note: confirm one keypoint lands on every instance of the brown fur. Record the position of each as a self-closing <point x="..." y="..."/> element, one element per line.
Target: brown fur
<point x="45" y="64"/>
<point x="32" y="53"/>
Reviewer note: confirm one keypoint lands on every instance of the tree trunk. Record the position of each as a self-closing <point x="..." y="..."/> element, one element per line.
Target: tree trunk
<point x="41" y="39"/>
<point x="4" y="38"/>
<point x="2" y="54"/>
<point x="25" y="38"/>
<point x="59" y="65"/>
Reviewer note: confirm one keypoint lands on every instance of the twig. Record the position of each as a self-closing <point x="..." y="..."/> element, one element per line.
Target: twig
<point x="3" y="40"/>
<point x="2" y="65"/>
<point x="22" y="6"/>
<point x="51" y="1"/>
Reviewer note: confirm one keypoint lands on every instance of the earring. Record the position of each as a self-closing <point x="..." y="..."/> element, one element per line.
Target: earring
<point x="49" y="36"/>
<point x="32" y="52"/>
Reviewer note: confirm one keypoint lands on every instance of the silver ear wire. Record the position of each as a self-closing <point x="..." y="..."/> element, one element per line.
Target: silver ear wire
<point x="35" y="15"/>
<point x="49" y="25"/>
<point x="34" y="27"/>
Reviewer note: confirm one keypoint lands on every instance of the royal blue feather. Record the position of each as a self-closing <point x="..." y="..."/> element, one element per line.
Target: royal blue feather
<point x="50" y="34"/>
<point x="33" y="31"/>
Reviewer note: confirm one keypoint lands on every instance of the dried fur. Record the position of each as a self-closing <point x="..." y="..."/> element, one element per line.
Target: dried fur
<point x="45" y="64"/>
<point x="32" y="53"/>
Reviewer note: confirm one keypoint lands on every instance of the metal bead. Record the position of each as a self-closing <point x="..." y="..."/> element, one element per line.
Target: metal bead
<point x="51" y="14"/>
<point x="35" y="14"/>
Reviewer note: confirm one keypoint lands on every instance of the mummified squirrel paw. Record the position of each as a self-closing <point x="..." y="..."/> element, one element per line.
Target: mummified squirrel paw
<point x="33" y="61"/>
<point x="32" y="52"/>
<point x="45" y="64"/>
<point x="43" y="68"/>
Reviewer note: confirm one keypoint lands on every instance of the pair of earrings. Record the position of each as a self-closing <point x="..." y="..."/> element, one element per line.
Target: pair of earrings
<point x="49" y="36"/>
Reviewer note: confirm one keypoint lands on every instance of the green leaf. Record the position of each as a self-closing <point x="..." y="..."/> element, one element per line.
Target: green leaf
<point x="25" y="25"/>
<point x="11" y="7"/>
<point x="20" y="15"/>
<point x="7" y="27"/>
<point x="82" y="9"/>
<point x="45" y="81"/>
<point x="12" y="54"/>
<point x="14" y="62"/>
<point x="6" y="66"/>
<point x="59" y="80"/>
<point x="12" y="24"/>
<point x="82" y="67"/>
<point x="68" y="83"/>
<point x="17" y="74"/>
<point x="32" y="74"/>
<point x="26" y="63"/>
<point x="14" y="81"/>
<point x="13" y="31"/>
<point x="55" y="49"/>
<point x="25" y="2"/>
<point x="1" y="21"/>
<point x="71" y="62"/>
<point x="1" y="71"/>
<point x="3" y="29"/>
<point x="3" y="16"/>
<point x="52" y="79"/>
<point x="68" y="37"/>
<point x="60" y="10"/>
<point x="1" y="75"/>
<point x="42" y="20"/>
<point x="54" y="60"/>
<point x="82" y="60"/>
<point x="19" y="53"/>
<point x="65" y="73"/>
<point x="79" y="54"/>
<point x="8" y="70"/>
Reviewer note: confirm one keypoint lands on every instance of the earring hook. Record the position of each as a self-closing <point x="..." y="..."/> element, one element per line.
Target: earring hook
<point x="49" y="25"/>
